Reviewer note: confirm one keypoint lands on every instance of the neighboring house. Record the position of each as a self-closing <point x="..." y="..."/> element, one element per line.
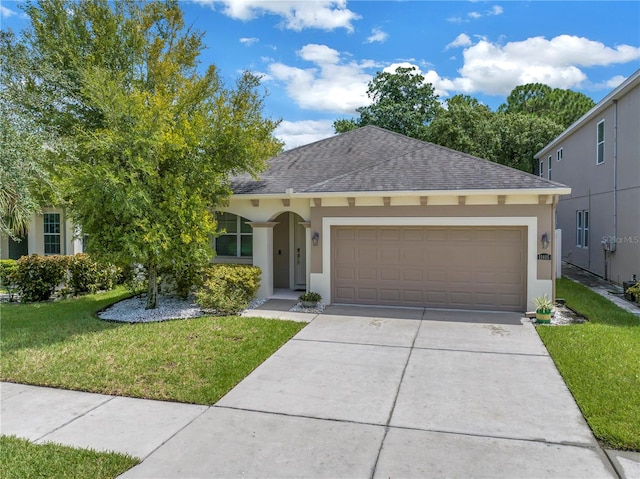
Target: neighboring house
<point x="599" y="158"/>
<point x="49" y="233"/>
<point x="374" y="217"/>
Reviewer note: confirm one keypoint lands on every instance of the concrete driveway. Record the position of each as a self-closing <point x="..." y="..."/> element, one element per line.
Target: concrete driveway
<point x="375" y="392"/>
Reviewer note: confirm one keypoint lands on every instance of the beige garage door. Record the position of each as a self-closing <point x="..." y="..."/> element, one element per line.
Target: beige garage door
<point x="437" y="267"/>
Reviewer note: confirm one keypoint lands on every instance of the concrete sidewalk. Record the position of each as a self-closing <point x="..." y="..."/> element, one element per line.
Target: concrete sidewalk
<point x="360" y="392"/>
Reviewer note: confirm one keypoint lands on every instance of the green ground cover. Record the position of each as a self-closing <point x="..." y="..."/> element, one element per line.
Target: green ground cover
<point x="600" y="362"/>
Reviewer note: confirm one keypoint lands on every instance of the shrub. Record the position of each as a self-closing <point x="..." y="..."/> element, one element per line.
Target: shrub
<point x="310" y="297"/>
<point x="8" y="267"/>
<point x="37" y="277"/>
<point x="228" y="288"/>
<point x="635" y="291"/>
<point x="88" y="276"/>
<point x="182" y="279"/>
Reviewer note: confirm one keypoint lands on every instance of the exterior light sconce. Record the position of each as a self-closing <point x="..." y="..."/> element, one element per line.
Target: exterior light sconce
<point x="315" y="237"/>
<point x="545" y="241"/>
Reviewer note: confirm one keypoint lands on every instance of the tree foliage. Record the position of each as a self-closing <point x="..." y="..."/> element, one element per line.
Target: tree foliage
<point x="401" y="101"/>
<point x="154" y="138"/>
<point x="24" y="177"/>
<point x="560" y="106"/>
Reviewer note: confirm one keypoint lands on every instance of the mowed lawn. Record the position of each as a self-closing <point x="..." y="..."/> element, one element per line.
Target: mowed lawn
<point x="63" y="344"/>
<point x="21" y="459"/>
<point x="600" y="362"/>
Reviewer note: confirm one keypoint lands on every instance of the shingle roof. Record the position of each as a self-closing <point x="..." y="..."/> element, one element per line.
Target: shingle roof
<point x="374" y="159"/>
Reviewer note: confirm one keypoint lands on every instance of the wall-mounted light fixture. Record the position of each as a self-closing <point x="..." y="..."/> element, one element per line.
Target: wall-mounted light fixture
<point x="315" y="237"/>
<point x="545" y="241"/>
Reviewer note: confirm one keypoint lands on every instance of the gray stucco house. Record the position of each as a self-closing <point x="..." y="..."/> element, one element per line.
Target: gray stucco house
<point x="374" y="217"/>
<point x="599" y="158"/>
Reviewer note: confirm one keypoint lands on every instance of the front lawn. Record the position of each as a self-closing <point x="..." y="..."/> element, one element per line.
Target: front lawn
<point x="600" y="362"/>
<point x="63" y="344"/>
<point x="21" y="459"/>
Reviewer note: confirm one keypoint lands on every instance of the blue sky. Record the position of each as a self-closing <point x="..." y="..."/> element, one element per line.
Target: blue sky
<point x="316" y="57"/>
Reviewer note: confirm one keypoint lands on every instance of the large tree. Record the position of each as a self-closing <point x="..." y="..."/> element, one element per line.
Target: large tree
<point x="24" y="177"/>
<point x="154" y="136"/>
<point x="463" y="125"/>
<point x="558" y="105"/>
<point x="401" y="101"/>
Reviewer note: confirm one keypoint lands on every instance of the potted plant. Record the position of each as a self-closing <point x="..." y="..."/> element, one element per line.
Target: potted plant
<point x="310" y="299"/>
<point x="634" y="292"/>
<point x="543" y="309"/>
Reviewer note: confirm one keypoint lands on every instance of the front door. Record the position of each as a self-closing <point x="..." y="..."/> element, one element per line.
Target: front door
<point x="300" y="254"/>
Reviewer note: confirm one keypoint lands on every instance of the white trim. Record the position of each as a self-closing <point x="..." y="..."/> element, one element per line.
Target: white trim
<point x="552" y="190"/>
<point x="321" y="282"/>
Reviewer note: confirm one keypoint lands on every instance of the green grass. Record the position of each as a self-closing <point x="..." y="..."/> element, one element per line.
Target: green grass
<point x="600" y="362"/>
<point x="21" y="459"/>
<point x="64" y="344"/>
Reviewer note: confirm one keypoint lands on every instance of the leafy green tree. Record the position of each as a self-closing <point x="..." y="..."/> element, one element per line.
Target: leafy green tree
<point x="344" y="125"/>
<point x="153" y="138"/>
<point x="463" y="125"/>
<point x="402" y="102"/>
<point x="514" y="139"/>
<point x="561" y="106"/>
<point x="24" y="177"/>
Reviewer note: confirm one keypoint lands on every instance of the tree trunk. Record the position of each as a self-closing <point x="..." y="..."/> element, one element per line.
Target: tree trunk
<point x="152" y="292"/>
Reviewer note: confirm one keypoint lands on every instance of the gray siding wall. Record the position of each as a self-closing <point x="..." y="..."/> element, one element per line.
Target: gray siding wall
<point x="593" y="189"/>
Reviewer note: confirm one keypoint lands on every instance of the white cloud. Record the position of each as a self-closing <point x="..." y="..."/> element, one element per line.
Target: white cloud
<point x="462" y="40"/>
<point x="332" y="84"/>
<point x="319" y="54"/>
<point x="377" y="35"/>
<point x="249" y="41"/>
<point x="609" y="84"/>
<point x="495" y="10"/>
<point x="6" y="12"/>
<point x="296" y="14"/>
<point x="298" y="133"/>
<point x="495" y="69"/>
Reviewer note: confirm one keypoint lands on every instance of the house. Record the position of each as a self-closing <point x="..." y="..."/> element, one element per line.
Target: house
<point x="50" y="232"/>
<point x="374" y="217"/>
<point x="599" y="158"/>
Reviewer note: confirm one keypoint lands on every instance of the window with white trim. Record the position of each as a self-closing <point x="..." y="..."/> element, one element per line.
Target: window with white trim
<point x="52" y="233"/>
<point x="549" y="167"/>
<point x="600" y="143"/>
<point x="541" y="172"/>
<point x="559" y="154"/>
<point x="582" y="228"/>
<point x="236" y="236"/>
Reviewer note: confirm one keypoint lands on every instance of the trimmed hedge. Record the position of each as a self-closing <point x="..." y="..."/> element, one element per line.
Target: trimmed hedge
<point x="88" y="276"/>
<point x="8" y="267"/>
<point x="37" y="277"/>
<point x="228" y="288"/>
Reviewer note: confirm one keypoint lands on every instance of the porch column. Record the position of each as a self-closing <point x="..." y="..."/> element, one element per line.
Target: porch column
<point x="33" y="235"/>
<point x="307" y="231"/>
<point x="263" y="254"/>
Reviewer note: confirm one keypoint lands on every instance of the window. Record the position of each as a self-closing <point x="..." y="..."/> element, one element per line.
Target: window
<point x="559" y="155"/>
<point x="600" y="146"/>
<point x="541" y="172"/>
<point x="52" y="233"/>
<point x="582" y="228"/>
<point x="236" y="239"/>
<point x="549" y="168"/>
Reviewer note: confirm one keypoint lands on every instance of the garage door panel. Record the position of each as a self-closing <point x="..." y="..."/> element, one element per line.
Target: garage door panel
<point x="448" y="267"/>
<point x="367" y="274"/>
<point x="367" y="294"/>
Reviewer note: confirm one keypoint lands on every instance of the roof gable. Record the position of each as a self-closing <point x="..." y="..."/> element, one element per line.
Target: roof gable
<point x="372" y="159"/>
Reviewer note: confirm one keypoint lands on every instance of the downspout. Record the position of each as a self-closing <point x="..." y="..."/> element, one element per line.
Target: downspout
<point x="615" y="178"/>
